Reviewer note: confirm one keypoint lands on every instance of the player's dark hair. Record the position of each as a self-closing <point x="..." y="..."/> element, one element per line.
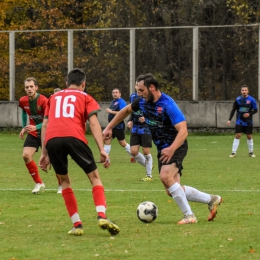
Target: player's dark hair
<point x="31" y="79"/>
<point x="117" y="89"/>
<point x="245" y="86"/>
<point x="76" y="77"/>
<point x="148" y="80"/>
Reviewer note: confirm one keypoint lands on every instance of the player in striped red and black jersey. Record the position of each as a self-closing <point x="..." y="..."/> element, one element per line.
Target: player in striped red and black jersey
<point x="33" y="105"/>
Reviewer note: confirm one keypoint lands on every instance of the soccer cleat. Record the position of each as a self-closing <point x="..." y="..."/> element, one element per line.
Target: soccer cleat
<point x="59" y="189"/>
<point x="38" y="187"/>
<point x="252" y="155"/>
<point x="76" y="231"/>
<point x="110" y="226"/>
<point x="232" y="155"/>
<point x="188" y="219"/>
<point x="133" y="160"/>
<point x="147" y="178"/>
<point x="213" y="206"/>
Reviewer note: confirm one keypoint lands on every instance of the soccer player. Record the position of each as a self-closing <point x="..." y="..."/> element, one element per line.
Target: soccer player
<point x="63" y="134"/>
<point x="246" y="107"/>
<point x="116" y="105"/>
<point x="140" y="136"/>
<point x="33" y="105"/>
<point x="169" y="131"/>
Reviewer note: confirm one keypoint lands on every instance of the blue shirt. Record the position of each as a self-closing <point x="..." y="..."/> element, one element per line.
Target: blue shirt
<point x="244" y="105"/>
<point x="138" y="127"/>
<point x="117" y="105"/>
<point x="161" y="116"/>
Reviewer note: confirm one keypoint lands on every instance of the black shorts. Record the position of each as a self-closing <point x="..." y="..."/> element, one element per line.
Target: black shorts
<point x="247" y="130"/>
<point x="119" y="134"/>
<point x="144" y="140"/>
<point x="177" y="158"/>
<point x="60" y="147"/>
<point x="32" y="141"/>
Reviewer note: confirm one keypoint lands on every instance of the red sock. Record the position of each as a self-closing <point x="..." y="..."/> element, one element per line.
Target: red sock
<point x="71" y="205"/>
<point x="99" y="198"/>
<point x="58" y="179"/>
<point x="33" y="170"/>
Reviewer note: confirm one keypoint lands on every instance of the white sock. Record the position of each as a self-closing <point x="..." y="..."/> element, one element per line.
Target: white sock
<point x="75" y="218"/>
<point x="250" y="145"/>
<point x="179" y="196"/>
<point x="127" y="148"/>
<point x="235" y="145"/>
<point x="107" y="148"/>
<point x="149" y="164"/>
<point x="193" y="194"/>
<point x="140" y="159"/>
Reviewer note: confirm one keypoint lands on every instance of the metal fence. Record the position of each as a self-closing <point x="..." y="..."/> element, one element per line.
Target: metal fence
<point x="191" y="63"/>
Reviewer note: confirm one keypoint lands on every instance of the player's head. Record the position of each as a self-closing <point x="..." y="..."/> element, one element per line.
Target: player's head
<point x="116" y="93"/>
<point x="76" y="77"/>
<point x="244" y="90"/>
<point x="56" y="90"/>
<point x="31" y="87"/>
<point x="145" y="85"/>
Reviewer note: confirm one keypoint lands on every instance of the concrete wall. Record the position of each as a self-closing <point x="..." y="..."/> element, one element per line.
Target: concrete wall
<point x="210" y="114"/>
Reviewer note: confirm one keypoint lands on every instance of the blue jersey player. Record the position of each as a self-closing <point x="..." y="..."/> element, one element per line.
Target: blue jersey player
<point x="140" y="136"/>
<point x="169" y="131"/>
<point x="245" y="106"/>
<point x="116" y="105"/>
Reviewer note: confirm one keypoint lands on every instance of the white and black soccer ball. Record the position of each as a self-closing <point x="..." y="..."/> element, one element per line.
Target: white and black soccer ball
<point x="147" y="211"/>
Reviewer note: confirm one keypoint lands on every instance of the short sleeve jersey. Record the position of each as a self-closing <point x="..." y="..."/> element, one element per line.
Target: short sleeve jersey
<point x="117" y="105"/>
<point x="161" y="116"/>
<point x="67" y="112"/>
<point x="244" y="105"/>
<point x="138" y="127"/>
<point x="35" y="110"/>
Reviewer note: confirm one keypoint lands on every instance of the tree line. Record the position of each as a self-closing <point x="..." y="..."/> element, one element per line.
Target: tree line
<point x="228" y="56"/>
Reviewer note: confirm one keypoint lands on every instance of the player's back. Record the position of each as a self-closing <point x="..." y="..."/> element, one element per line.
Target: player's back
<point x="67" y="112"/>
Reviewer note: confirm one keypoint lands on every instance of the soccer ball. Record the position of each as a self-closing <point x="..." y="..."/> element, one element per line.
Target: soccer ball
<point x="147" y="211"/>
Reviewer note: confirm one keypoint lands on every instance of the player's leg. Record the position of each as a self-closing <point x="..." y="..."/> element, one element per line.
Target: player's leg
<point x="170" y="177"/>
<point x="135" y="142"/>
<point x="107" y="145"/>
<point x="146" y="142"/>
<point x="120" y="135"/>
<point x="31" y="145"/>
<point x="58" y="149"/>
<point x="236" y="141"/>
<point x="250" y="143"/>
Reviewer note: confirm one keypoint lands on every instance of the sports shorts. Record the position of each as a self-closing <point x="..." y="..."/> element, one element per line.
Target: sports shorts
<point x="60" y="147"/>
<point x="144" y="140"/>
<point x="177" y="158"/>
<point x="119" y="134"/>
<point x="248" y="130"/>
<point x="32" y="141"/>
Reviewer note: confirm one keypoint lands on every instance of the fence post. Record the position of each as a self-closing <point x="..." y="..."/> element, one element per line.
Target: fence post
<point x="259" y="63"/>
<point x="195" y="73"/>
<point x="12" y="66"/>
<point x="132" y="62"/>
<point x="70" y="50"/>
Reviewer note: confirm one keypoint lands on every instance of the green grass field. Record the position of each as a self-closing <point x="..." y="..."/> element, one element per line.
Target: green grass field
<point x="34" y="227"/>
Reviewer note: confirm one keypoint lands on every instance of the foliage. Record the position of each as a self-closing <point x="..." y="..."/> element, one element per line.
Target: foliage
<point x="224" y="65"/>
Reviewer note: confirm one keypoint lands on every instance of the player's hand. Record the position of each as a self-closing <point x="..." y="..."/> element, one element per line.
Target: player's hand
<point x="141" y="119"/>
<point x="130" y="124"/>
<point x="104" y="158"/>
<point x="30" y="128"/>
<point x="44" y="163"/>
<point x="228" y="122"/>
<point x="22" y="134"/>
<point x="246" y="115"/>
<point x="107" y="133"/>
<point x="166" y="155"/>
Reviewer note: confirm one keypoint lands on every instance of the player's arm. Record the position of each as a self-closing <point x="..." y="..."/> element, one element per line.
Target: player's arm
<point x="97" y="135"/>
<point x="234" y="108"/>
<point x="24" y="122"/>
<point x="168" y="152"/>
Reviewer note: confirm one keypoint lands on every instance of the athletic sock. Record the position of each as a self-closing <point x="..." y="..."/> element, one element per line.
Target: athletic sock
<point x="140" y="159"/>
<point x="149" y="164"/>
<point x="33" y="170"/>
<point x="99" y="198"/>
<point x="107" y="148"/>
<point x="127" y="148"/>
<point x="235" y="145"/>
<point x="179" y="196"/>
<point x="195" y="195"/>
<point x="250" y="145"/>
<point x="71" y="205"/>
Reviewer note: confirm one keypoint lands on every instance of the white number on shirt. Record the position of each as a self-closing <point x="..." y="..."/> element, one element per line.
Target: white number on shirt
<point x="65" y="106"/>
